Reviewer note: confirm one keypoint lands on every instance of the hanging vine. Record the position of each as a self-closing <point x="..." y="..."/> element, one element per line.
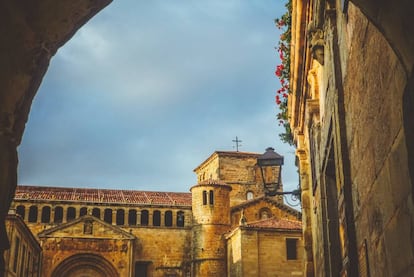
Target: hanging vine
<point x="284" y="23"/>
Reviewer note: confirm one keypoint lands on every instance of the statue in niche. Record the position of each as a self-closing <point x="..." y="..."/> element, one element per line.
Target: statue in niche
<point x="316" y="42"/>
<point x="88" y="227"/>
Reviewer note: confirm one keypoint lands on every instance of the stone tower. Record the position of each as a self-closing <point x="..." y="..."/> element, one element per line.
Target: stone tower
<point x="211" y="219"/>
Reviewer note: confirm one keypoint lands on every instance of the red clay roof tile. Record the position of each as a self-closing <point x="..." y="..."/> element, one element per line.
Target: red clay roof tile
<point x="102" y="195"/>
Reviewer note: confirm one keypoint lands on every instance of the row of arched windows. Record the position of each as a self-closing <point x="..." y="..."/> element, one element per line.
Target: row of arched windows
<point x="133" y="216"/>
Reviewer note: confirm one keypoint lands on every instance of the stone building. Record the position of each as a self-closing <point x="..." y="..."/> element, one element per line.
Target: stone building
<point x="225" y="226"/>
<point x="24" y="256"/>
<point x="351" y="113"/>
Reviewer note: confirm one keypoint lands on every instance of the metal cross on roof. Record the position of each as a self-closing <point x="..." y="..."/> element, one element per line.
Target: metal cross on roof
<point x="237" y="141"/>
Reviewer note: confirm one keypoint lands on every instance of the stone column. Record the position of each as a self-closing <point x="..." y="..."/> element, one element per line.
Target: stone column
<point x="162" y="218"/>
<point x="126" y="215"/>
<point x="174" y="218"/>
<point x="39" y="214"/>
<point x="26" y="213"/>
<point x="306" y="187"/>
<point x="52" y="215"/>
<point x="138" y="218"/>
<point x="64" y="214"/>
<point x="113" y="217"/>
<point x="150" y="218"/>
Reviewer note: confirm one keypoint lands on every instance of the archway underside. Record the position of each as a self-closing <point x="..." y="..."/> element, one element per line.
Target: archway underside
<point x="85" y="265"/>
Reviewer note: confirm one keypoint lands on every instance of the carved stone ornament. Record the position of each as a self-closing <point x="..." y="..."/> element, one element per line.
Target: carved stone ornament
<point x="316" y="42"/>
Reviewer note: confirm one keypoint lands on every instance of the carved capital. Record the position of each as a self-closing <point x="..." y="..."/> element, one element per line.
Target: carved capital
<point x="316" y="42"/>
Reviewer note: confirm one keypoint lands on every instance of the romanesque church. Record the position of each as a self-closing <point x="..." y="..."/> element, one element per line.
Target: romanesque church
<point x="226" y="225"/>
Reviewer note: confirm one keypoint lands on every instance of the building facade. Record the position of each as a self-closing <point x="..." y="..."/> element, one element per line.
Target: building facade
<point x="23" y="258"/>
<point x="210" y="231"/>
<point x="350" y="113"/>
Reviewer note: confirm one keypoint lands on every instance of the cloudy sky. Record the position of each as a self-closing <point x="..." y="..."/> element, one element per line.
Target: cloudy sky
<point x="147" y="90"/>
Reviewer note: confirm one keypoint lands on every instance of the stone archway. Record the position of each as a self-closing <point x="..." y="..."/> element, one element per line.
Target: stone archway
<point x="85" y="265"/>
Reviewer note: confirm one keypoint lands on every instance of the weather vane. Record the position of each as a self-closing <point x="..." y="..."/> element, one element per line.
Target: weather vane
<point x="237" y="141"/>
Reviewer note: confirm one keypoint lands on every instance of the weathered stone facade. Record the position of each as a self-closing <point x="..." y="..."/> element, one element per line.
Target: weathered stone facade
<point x="353" y="131"/>
<point x="139" y="233"/>
<point x="24" y="256"/>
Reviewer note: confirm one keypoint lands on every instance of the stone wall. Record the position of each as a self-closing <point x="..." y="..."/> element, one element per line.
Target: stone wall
<point x="255" y="252"/>
<point x="352" y="147"/>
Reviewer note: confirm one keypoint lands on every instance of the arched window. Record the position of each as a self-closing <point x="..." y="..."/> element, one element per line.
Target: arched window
<point x="20" y="210"/>
<point x="96" y="212"/>
<point x="156" y="218"/>
<point x="120" y="217"/>
<point x="204" y="197"/>
<point x="58" y="215"/>
<point x="83" y="211"/>
<point x="144" y="218"/>
<point x="132" y="217"/>
<point x="168" y="218"/>
<point x="249" y="195"/>
<point x="45" y="214"/>
<point x="108" y="216"/>
<point x="211" y="198"/>
<point x="71" y="214"/>
<point x="180" y="219"/>
<point x="33" y="214"/>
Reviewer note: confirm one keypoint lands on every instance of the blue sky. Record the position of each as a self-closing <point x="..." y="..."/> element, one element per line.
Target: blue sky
<point x="147" y="90"/>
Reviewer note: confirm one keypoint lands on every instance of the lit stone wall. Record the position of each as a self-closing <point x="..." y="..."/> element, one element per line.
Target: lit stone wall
<point x="347" y="119"/>
<point x="237" y="169"/>
<point x="211" y="220"/>
<point x="255" y="252"/>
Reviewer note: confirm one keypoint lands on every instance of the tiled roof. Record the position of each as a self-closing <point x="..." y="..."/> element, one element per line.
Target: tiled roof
<point x="276" y="223"/>
<point x="254" y="201"/>
<point x="102" y="195"/>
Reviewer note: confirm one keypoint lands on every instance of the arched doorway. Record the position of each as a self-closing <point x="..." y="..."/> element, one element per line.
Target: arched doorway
<point x="85" y="265"/>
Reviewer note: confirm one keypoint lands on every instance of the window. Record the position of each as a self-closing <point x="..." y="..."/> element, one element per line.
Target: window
<point x="23" y="260"/>
<point x="168" y="218"/>
<point x="29" y="264"/>
<point x="96" y="212"/>
<point x="249" y="195"/>
<point x="83" y="211"/>
<point x="211" y="197"/>
<point x="291" y="249"/>
<point x="132" y="217"/>
<point x="58" y="215"/>
<point x="144" y="218"/>
<point x="33" y="214"/>
<point x="16" y="253"/>
<point x="180" y="219"/>
<point x="204" y="197"/>
<point x="20" y="210"/>
<point x="141" y="269"/>
<point x="156" y="218"/>
<point x="120" y="217"/>
<point x="45" y="214"/>
<point x="71" y="214"/>
<point x="108" y="216"/>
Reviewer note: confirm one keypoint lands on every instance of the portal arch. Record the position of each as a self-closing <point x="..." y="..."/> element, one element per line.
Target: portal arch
<point x="87" y="265"/>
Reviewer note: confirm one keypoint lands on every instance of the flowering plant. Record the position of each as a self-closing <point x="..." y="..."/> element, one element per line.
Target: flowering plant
<point x="283" y="71"/>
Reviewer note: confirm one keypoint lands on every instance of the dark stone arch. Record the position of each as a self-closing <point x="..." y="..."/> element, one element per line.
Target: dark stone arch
<point x="395" y="20"/>
<point x="168" y="219"/>
<point x="97" y="265"/>
<point x="58" y="217"/>
<point x="408" y="121"/>
<point x="33" y="211"/>
<point x="32" y="32"/>
<point x="21" y="210"/>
